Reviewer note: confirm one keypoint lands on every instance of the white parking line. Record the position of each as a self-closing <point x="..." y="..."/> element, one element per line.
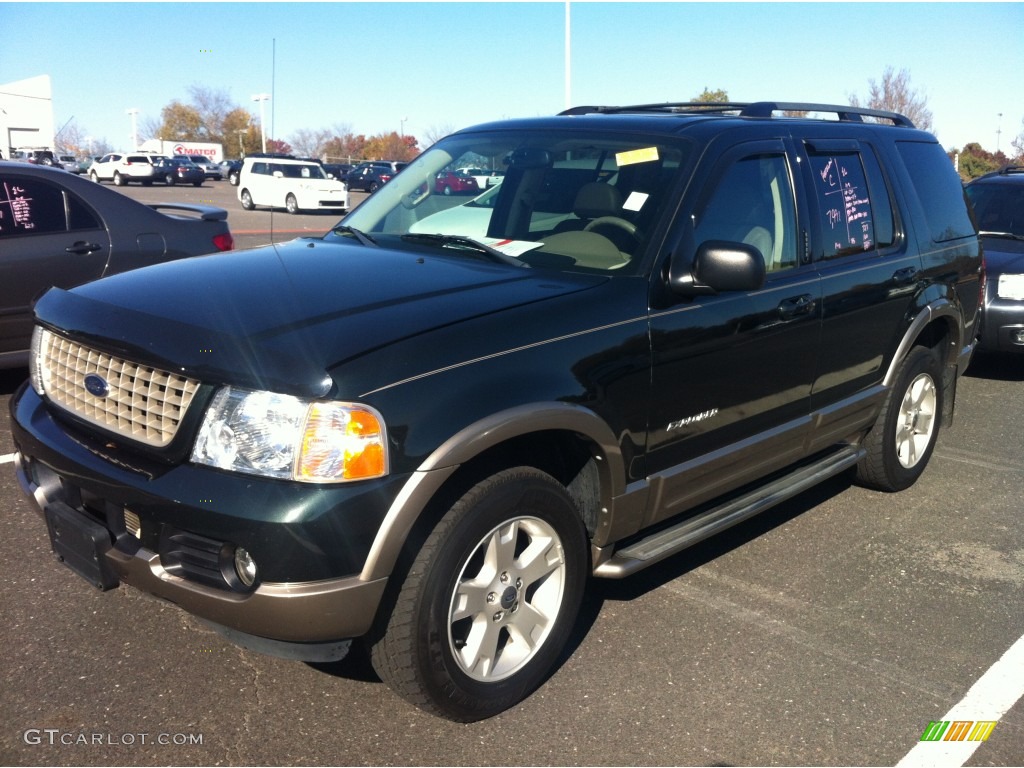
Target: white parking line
<point x="7" y="458"/>
<point x="988" y="700"/>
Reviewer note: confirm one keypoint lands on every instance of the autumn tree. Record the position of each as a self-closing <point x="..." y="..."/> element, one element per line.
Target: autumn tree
<point x="717" y="96"/>
<point x="180" y="122"/>
<point x="391" y="146"/>
<point x="974" y="161"/>
<point x="894" y="94"/>
<point x="210" y="116"/>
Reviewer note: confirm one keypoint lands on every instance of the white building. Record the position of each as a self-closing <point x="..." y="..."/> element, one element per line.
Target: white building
<point x="26" y="115"/>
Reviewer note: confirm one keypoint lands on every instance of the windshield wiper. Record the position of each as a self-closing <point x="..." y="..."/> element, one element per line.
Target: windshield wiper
<point x="461" y="241"/>
<point x="1007" y="235"/>
<point x="362" y="237"/>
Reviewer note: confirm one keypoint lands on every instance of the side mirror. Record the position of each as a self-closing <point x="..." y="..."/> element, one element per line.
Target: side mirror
<point x="719" y="266"/>
<point x="278" y="175"/>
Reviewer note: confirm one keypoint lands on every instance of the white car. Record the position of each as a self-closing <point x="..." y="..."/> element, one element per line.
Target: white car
<point x="122" y="168"/>
<point x="295" y="185"/>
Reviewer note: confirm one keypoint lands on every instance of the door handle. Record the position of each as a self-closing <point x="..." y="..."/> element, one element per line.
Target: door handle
<point x="82" y="248"/>
<point x="905" y="276"/>
<point x="799" y="305"/>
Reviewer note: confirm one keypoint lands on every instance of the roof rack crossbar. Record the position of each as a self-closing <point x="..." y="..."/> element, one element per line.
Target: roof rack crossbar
<point x="765" y="109"/>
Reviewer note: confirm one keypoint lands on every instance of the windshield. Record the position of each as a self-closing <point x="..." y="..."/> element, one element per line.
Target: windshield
<point x="998" y="208"/>
<point x="563" y="200"/>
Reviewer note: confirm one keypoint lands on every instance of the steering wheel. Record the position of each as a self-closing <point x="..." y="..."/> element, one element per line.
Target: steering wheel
<point x="612" y="221"/>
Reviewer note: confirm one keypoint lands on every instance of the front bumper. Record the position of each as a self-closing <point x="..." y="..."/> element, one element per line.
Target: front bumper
<point x="299" y="532"/>
<point x="1002" y="326"/>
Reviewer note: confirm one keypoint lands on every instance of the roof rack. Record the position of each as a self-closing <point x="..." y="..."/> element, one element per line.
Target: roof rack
<point x="1006" y="170"/>
<point x="764" y="109"/>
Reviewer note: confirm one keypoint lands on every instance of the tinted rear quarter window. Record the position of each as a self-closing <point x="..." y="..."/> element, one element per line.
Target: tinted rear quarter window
<point x="30" y="206"/>
<point x="938" y="188"/>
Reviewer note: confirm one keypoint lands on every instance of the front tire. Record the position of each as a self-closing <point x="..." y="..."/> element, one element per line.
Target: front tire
<point x="291" y="204"/>
<point x="489" y="601"/>
<point x="901" y="442"/>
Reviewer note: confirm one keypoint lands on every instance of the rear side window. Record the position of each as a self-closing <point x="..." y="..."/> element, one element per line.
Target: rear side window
<point x="29" y="207"/>
<point x="938" y="188"/>
<point x="844" y="203"/>
<point x="34" y="207"/>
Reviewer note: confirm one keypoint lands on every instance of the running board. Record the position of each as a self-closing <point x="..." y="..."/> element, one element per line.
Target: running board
<point x="665" y="543"/>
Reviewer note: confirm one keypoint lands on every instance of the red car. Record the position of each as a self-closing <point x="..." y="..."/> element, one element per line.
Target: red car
<point x="453" y="182"/>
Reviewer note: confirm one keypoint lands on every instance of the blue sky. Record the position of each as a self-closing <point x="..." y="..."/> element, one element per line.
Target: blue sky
<point x="419" y="67"/>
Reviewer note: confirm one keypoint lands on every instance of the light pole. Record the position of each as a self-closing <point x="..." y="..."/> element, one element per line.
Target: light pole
<point x="241" y="146"/>
<point x="401" y="127"/>
<point x="135" y="134"/>
<point x="261" y="98"/>
<point x="999" y="129"/>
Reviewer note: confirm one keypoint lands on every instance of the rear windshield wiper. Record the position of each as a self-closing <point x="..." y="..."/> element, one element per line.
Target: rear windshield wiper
<point x="362" y="237"/>
<point x="461" y="241"/>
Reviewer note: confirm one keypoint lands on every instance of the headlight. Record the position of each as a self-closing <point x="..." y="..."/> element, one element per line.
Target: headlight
<point x="1010" y="287"/>
<point x="264" y="433"/>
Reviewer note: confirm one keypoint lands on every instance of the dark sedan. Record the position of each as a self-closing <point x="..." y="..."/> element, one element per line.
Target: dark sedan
<point x="60" y="229"/>
<point x="998" y="200"/>
<point x="174" y="170"/>
<point x="368" y="177"/>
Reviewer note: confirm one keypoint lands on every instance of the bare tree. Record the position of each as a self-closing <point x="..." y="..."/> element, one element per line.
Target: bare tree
<point x="1018" y="144"/>
<point x="894" y="94"/>
<point x="310" y="143"/>
<point x="435" y="133"/>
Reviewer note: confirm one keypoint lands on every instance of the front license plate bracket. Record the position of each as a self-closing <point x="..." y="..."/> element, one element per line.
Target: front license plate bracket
<point x="81" y="544"/>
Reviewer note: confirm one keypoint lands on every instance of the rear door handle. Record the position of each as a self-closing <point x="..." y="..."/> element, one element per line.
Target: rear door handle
<point x="799" y="305"/>
<point x="905" y="276"/>
<point x="82" y="248"/>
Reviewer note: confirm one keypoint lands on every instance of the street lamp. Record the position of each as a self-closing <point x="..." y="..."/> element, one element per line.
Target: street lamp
<point x="135" y="134"/>
<point x="241" y="146"/>
<point x="261" y="98"/>
<point x="401" y="127"/>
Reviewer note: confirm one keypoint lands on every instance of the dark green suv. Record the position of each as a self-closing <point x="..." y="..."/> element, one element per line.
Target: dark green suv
<point x="429" y="427"/>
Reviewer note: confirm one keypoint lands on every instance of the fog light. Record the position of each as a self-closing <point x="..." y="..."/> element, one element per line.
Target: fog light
<point x="1017" y="336"/>
<point x="245" y="567"/>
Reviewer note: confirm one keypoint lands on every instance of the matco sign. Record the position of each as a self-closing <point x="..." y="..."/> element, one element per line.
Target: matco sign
<point x="182" y="149"/>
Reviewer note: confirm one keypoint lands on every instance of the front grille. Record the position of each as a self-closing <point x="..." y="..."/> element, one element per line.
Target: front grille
<point x="134" y="401"/>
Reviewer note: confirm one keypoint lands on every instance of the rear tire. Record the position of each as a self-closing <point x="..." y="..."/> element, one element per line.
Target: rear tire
<point x="119" y="180"/>
<point x="901" y="442"/>
<point x="490" y="600"/>
<point x="246" y="200"/>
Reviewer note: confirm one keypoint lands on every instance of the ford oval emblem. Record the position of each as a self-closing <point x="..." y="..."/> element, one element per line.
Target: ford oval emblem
<point x="97" y="385"/>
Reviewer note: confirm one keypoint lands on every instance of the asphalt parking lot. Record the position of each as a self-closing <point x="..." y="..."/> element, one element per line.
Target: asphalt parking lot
<point x="830" y="631"/>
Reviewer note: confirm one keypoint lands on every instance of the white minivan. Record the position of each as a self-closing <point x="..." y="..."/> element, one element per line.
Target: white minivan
<point x="296" y="185"/>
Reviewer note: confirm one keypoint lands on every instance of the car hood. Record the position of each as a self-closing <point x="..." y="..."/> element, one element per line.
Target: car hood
<point x="279" y="317"/>
<point x="1003" y="254"/>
